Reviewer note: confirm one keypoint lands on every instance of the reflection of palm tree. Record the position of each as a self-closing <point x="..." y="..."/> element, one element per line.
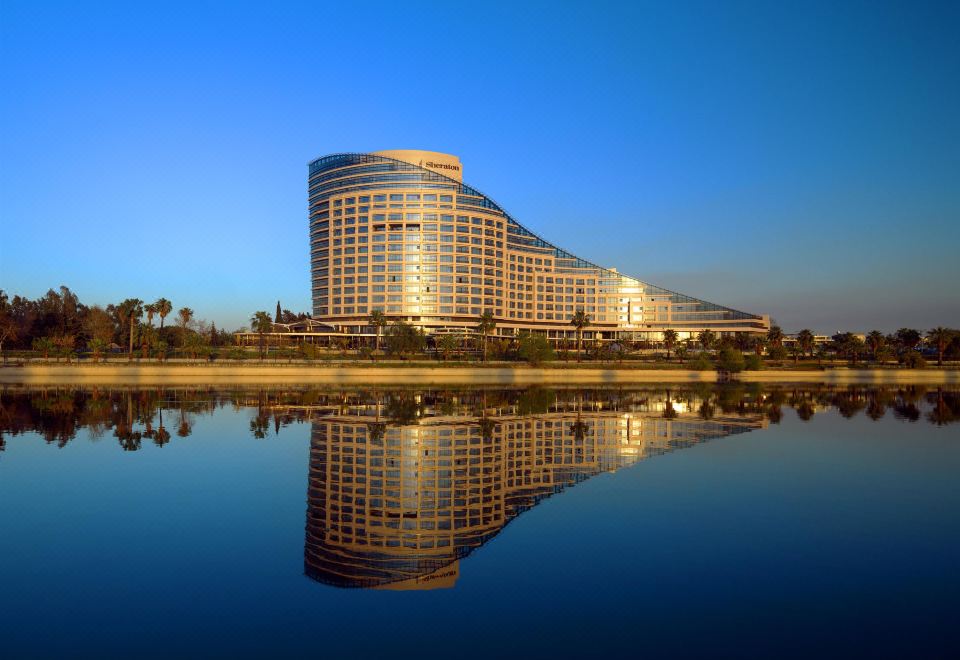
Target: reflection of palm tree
<point x="403" y="409"/>
<point x="376" y="431"/>
<point x="668" y="410"/>
<point x="260" y="426"/>
<point x="706" y="410"/>
<point x="946" y="407"/>
<point x="802" y="405"/>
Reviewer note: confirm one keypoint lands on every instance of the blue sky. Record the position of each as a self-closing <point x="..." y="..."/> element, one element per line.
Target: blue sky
<point x="796" y="159"/>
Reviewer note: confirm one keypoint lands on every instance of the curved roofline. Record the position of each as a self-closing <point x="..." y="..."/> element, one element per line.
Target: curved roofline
<point x="500" y="208"/>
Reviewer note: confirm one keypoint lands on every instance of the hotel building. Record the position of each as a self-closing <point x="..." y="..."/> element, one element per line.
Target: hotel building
<point x="399" y="232"/>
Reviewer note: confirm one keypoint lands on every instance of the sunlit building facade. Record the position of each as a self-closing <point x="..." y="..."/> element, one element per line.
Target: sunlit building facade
<point x="399" y="232"/>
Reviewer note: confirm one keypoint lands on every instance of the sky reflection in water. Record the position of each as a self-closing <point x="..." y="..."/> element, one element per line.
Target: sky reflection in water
<point x="814" y="519"/>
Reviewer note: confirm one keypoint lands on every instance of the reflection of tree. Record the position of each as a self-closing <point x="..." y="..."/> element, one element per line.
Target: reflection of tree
<point x="535" y="401"/>
<point x="706" y="410"/>
<point x="487" y="427"/>
<point x="802" y="405"/>
<point x="946" y="407"/>
<point x="669" y="412"/>
<point x="376" y="431"/>
<point x="402" y="408"/>
<point x="58" y="413"/>
<point x="260" y="426"/>
<point x="849" y="402"/>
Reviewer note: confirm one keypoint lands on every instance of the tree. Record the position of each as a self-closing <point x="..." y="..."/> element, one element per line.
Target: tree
<point x="486" y="325"/>
<point x="535" y="349"/>
<point x="742" y="341"/>
<point x="43" y="345"/>
<point x="775" y="336"/>
<point x="128" y="312"/>
<point x="730" y="360"/>
<point x="940" y="337"/>
<point x="848" y="345"/>
<point x="907" y="339"/>
<point x="876" y="342"/>
<point x="447" y="344"/>
<point x="99" y="325"/>
<point x="97" y="346"/>
<point x="669" y="340"/>
<point x="151" y="310"/>
<point x="805" y="339"/>
<point x="261" y="324"/>
<point x="580" y="321"/>
<point x="164" y="307"/>
<point x="796" y="350"/>
<point x="8" y="325"/>
<point x="64" y="344"/>
<point x="279" y="315"/>
<point x="184" y="316"/>
<point x="379" y="321"/>
<point x="707" y="339"/>
<point x="404" y="339"/>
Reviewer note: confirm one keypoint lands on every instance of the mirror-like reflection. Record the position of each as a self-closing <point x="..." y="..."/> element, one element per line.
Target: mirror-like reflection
<point x="299" y="515"/>
<point x="134" y="416"/>
<point x="404" y="483"/>
<point x="398" y="506"/>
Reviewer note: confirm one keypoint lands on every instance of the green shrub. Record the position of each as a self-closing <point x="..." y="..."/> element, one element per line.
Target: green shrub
<point x="535" y="349"/>
<point x="753" y="362"/>
<point x="730" y="360"/>
<point x="777" y="353"/>
<point x="702" y="362"/>
<point x="913" y="360"/>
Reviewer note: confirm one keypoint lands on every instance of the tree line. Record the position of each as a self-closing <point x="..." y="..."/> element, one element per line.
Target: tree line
<point x="59" y="324"/>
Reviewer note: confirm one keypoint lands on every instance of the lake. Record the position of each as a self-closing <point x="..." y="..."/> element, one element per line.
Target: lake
<point x="729" y="520"/>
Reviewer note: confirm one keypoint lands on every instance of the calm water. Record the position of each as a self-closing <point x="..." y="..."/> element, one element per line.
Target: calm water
<point x="733" y="521"/>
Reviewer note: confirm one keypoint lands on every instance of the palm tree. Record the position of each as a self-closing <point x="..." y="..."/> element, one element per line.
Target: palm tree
<point x="484" y="327"/>
<point x="379" y="321"/>
<point x="907" y="339"/>
<point x="876" y="342"/>
<point x="669" y="341"/>
<point x="43" y="345"/>
<point x="447" y="343"/>
<point x="151" y="310"/>
<point x="164" y="307"/>
<point x="805" y="339"/>
<point x="707" y="339"/>
<point x="580" y="321"/>
<point x="941" y="338"/>
<point x="775" y="336"/>
<point x="184" y="316"/>
<point x="129" y="311"/>
<point x="261" y="323"/>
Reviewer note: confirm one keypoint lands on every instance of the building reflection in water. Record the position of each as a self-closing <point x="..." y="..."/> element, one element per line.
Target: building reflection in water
<point x="397" y="506"/>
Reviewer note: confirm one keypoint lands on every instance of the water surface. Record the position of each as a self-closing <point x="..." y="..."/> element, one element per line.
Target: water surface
<point x="734" y="520"/>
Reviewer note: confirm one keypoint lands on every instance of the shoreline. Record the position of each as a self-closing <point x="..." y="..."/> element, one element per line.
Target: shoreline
<point x="135" y="374"/>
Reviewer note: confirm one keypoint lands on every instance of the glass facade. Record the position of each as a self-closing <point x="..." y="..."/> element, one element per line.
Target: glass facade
<point x="396" y="235"/>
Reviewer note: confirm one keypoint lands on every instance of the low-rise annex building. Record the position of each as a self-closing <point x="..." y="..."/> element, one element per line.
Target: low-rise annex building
<point x="399" y="232"/>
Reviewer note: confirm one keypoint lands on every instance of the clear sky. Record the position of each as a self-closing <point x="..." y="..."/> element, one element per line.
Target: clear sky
<point x="796" y="159"/>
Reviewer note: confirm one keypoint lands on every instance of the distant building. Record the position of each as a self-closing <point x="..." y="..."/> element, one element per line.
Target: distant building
<point x="399" y="232"/>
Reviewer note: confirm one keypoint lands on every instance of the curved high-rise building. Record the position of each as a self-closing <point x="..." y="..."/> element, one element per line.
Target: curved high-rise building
<point x="399" y="232"/>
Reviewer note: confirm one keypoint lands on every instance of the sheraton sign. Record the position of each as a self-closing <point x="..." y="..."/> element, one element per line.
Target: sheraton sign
<point x="439" y="166"/>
